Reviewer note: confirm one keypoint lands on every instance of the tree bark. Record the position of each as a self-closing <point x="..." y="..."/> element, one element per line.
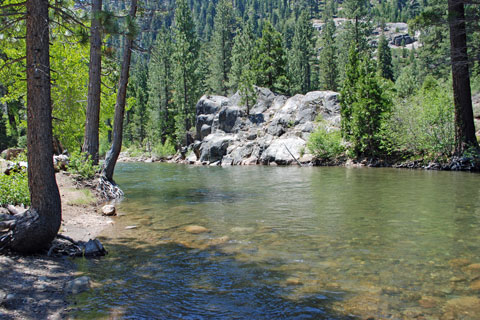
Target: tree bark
<point x="35" y="230"/>
<point x="113" y="153"/>
<point x="91" y="140"/>
<point x="464" y="126"/>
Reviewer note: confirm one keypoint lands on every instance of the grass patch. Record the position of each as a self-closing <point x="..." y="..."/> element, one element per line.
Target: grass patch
<point x="83" y="197"/>
<point x="14" y="189"/>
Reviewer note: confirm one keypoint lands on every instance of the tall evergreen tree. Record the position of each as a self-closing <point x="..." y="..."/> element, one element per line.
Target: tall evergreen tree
<point x="302" y="55"/>
<point x="35" y="229"/>
<point x="242" y="54"/>
<point x="112" y="154"/>
<point x="464" y="126"/>
<point x="269" y="60"/>
<point x="358" y="11"/>
<point x="160" y="86"/>
<point x="328" y="54"/>
<point x="384" y="59"/>
<point x="347" y="97"/>
<point x="222" y="44"/>
<point x="139" y="115"/>
<point x="185" y="70"/>
<point x="91" y="138"/>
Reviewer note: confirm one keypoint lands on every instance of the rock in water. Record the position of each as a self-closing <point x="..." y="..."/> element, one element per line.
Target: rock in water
<point x="109" y="210"/>
<point x="93" y="248"/>
<point x="78" y="285"/>
<point x="196" y="229"/>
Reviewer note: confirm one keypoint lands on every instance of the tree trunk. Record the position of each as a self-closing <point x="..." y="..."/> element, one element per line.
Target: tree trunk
<point x="90" y="143"/>
<point x="112" y="154"/>
<point x="35" y="230"/>
<point x="464" y="125"/>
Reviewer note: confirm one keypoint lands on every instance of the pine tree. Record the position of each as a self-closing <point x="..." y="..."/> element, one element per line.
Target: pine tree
<point x="139" y="86"/>
<point x="328" y="54"/>
<point x="302" y="55"/>
<point x="91" y="138"/>
<point x="160" y="85"/>
<point x="269" y="60"/>
<point x="347" y="97"/>
<point x="242" y="54"/>
<point x="358" y="11"/>
<point x="111" y="157"/>
<point x="371" y="108"/>
<point x="185" y="74"/>
<point x="356" y="30"/>
<point x="222" y="44"/>
<point x="384" y="59"/>
<point x="364" y="106"/>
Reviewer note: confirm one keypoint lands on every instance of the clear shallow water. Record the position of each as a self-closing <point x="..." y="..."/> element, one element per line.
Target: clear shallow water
<point x="287" y="243"/>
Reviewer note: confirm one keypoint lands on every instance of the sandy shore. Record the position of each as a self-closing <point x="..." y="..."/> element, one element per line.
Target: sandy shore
<point x="35" y="286"/>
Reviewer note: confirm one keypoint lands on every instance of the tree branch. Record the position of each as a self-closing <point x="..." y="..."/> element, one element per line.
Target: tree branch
<point x="67" y="16"/>
<point x="6" y="64"/>
<point x="12" y="5"/>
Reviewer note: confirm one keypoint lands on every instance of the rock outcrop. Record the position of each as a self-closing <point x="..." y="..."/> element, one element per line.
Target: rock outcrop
<point x="275" y="131"/>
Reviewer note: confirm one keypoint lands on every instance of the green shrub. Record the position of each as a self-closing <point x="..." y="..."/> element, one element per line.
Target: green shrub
<point x="14" y="188"/>
<point x="326" y="144"/>
<point x="424" y="124"/>
<point x="164" y="150"/>
<point x="134" y="151"/>
<point x="82" y="165"/>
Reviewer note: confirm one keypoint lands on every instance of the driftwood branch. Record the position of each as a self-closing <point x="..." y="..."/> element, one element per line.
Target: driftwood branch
<point x="299" y="163"/>
<point x="63" y="237"/>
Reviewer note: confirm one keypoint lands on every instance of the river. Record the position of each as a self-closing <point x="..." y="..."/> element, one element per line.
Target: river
<point x="288" y="243"/>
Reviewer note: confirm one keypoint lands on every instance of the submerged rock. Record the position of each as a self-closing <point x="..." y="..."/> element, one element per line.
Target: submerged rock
<point x="78" y="285"/>
<point x="462" y="308"/>
<point x="196" y="229"/>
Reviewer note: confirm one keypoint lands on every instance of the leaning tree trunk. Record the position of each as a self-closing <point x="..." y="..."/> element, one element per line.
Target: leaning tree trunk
<point x="35" y="229"/>
<point x="464" y="125"/>
<point x="107" y="184"/>
<point x="90" y="143"/>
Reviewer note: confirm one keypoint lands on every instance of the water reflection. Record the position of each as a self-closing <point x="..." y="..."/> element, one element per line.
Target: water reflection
<point x="313" y="243"/>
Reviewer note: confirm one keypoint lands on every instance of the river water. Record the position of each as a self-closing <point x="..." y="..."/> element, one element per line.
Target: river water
<point x="288" y="243"/>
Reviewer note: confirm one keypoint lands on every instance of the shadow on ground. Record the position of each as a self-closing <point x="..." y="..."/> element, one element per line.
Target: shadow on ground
<point x="33" y="286"/>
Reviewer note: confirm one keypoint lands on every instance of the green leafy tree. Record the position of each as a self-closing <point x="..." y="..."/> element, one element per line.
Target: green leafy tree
<point x="222" y="45"/>
<point x="422" y="125"/>
<point x="384" y="59"/>
<point x="185" y="74"/>
<point x="302" y="55"/>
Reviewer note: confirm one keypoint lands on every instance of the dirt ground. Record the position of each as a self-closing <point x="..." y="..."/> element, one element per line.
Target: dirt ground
<point x="34" y="287"/>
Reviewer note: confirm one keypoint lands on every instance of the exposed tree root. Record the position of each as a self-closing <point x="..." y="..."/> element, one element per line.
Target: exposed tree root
<point x="108" y="189"/>
<point x="16" y="227"/>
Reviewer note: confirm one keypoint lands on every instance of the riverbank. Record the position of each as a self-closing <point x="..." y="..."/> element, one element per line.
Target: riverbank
<point x="38" y="286"/>
<point x="453" y="164"/>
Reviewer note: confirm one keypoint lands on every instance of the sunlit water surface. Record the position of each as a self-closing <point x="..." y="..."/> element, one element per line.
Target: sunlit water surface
<point x="287" y="243"/>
